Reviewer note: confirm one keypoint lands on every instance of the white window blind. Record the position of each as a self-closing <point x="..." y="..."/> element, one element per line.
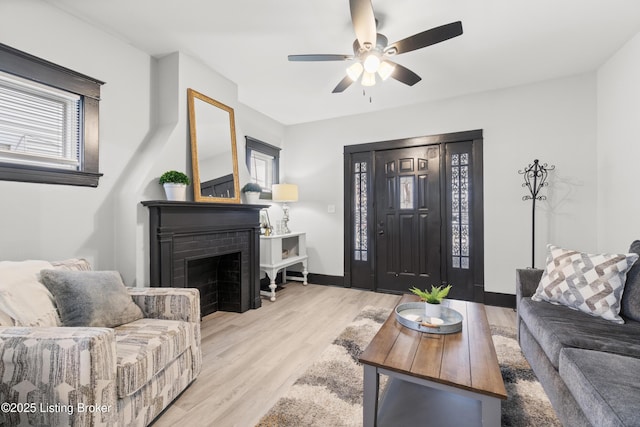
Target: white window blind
<point x="39" y="125"/>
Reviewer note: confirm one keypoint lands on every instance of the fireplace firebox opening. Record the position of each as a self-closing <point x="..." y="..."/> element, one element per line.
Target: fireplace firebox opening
<point x="218" y="278"/>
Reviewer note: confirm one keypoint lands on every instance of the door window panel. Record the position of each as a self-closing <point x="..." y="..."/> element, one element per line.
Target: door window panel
<point x="406" y="192"/>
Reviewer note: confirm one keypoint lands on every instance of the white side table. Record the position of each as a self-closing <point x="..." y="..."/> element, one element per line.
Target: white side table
<point x="277" y="252"/>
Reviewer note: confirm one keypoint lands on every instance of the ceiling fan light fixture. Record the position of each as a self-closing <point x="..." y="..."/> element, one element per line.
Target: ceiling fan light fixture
<point x="371" y="63"/>
<point x="354" y="71"/>
<point x="385" y="70"/>
<point x="368" y="79"/>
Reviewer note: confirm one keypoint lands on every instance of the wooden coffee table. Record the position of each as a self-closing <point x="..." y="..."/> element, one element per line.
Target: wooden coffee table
<point x="435" y="379"/>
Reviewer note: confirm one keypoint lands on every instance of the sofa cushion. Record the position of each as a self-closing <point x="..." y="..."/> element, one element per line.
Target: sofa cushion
<point x="145" y="347"/>
<point x="556" y="327"/>
<point x="591" y="283"/>
<point x="605" y="386"/>
<point x="630" y="306"/>
<point x="23" y="298"/>
<point x="91" y="298"/>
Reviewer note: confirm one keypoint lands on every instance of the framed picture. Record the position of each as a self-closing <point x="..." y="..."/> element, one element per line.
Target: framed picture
<point x="265" y="223"/>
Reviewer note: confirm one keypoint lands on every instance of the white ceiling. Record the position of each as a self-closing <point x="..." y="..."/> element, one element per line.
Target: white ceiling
<point x="505" y="43"/>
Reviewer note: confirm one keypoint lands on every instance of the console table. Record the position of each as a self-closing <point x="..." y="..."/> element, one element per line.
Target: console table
<point x="277" y="252"/>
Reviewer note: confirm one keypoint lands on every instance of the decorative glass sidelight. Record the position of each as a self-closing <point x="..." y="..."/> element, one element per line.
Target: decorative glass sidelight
<point x="360" y="211"/>
<point x="460" y="229"/>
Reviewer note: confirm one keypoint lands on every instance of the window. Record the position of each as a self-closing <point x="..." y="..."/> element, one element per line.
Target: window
<point x="263" y="161"/>
<point x="48" y="122"/>
<point x="460" y="233"/>
<point x="360" y="217"/>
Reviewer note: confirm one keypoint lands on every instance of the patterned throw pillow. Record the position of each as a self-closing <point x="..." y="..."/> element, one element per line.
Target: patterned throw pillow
<point x="591" y="283"/>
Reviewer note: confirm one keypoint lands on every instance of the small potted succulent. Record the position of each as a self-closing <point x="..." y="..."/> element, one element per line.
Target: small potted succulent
<point x="175" y="185"/>
<point x="432" y="299"/>
<point x="252" y="192"/>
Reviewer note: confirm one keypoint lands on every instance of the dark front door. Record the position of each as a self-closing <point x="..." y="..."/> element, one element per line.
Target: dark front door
<point x="407" y="218"/>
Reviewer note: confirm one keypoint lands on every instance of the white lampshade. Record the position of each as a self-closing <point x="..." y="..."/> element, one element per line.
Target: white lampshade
<point x="385" y="70"/>
<point x="285" y="192"/>
<point x="368" y="79"/>
<point x="354" y="71"/>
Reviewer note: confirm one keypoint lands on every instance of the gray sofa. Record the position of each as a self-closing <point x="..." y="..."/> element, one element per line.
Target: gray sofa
<point x="589" y="367"/>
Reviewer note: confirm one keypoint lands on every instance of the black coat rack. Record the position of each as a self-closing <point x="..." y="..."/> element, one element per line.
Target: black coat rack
<point x="535" y="177"/>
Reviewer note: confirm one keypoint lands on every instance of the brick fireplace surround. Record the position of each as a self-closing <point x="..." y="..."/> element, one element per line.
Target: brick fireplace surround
<point x="210" y="246"/>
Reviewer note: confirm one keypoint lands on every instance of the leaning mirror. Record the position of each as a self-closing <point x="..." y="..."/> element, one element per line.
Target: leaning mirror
<point x="213" y="150"/>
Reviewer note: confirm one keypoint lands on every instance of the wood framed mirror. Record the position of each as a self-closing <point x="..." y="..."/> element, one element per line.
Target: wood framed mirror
<point x="214" y="156"/>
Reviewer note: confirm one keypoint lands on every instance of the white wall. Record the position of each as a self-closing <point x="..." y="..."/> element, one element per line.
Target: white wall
<point x="143" y="133"/>
<point x="554" y="121"/>
<point x="55" y="221"/>
<point x="618" y="149"/>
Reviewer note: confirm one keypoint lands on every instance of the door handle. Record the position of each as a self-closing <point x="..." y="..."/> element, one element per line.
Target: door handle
<point x="381" y="228"/>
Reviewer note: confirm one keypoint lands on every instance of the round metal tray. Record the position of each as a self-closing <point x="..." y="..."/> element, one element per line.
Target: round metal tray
<point x="411" y="315"/>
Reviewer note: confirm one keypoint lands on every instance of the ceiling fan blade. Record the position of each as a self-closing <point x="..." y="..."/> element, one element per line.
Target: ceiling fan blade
<point x="403" y="74"/>
<point x="426" y="38"/>
<point x="344" y="83"/>
<point x="364" y="22"/>
<point x="320" y="57"/>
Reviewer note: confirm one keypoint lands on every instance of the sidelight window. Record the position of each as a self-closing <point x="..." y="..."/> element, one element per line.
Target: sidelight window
<point x="360" y="211"/>
<point x="460" y="210"/>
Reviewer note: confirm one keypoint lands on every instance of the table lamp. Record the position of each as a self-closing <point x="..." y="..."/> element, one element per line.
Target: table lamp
<point x="285" y="193"/>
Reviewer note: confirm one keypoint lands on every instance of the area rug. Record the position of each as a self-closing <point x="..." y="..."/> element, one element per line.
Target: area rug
<point x="329" y="392"/>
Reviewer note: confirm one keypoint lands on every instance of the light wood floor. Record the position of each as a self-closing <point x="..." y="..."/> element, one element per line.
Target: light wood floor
<point x="251" y="359"/>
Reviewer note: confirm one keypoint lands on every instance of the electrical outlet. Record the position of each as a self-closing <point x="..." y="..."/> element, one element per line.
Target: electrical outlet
<point x="331" y="209"/>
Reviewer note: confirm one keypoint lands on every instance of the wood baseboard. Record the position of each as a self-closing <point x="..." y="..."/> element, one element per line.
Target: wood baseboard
<point x="320" y="279"/>
<point x="500" y="300"/>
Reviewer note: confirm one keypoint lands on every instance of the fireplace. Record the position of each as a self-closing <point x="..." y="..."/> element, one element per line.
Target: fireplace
<point x="213" y="247"/>
<point x="218" y="280"/>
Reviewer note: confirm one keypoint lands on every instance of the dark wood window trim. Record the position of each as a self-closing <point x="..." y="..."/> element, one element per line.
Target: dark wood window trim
<point x="253" y="144"/>
<point x="18" y="63"/>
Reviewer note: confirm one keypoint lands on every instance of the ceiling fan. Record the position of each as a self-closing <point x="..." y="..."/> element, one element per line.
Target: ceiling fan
<point x="372" y="51"/>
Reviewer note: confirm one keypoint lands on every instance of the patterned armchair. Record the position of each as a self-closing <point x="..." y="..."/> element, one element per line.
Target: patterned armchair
<point x="86" y="376"/>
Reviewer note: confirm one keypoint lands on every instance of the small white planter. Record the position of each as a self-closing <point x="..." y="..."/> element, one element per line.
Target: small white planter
<point x="432" y="310"/>
<point x="252" y="197"/>
<point x="175" y="192"/>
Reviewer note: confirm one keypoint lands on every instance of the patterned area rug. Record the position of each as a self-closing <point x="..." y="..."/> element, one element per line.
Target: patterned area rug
<point x="329" y="393"/>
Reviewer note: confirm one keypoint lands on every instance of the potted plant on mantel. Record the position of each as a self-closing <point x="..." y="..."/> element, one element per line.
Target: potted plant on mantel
<point x="252" y="192"/>
<point x="175" y="185"/>
<point x="432" y="307"/>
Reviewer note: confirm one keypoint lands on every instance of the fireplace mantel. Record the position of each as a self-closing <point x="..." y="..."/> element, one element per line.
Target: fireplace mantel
<point x="184" y="231"/>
